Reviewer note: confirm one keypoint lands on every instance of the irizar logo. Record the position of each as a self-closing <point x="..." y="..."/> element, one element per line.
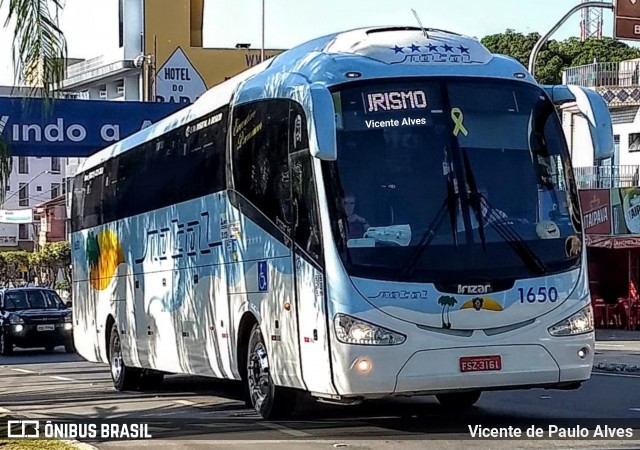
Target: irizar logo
<point x="474" y="288"/>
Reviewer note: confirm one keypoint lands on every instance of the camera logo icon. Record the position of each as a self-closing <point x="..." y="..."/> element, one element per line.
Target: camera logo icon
<point x="23" y="429"/>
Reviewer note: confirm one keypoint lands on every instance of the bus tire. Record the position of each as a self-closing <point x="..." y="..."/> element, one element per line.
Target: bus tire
<point x="124" y="378"/>
<point x="269" y="400"/>
<point x="459" y="400"/>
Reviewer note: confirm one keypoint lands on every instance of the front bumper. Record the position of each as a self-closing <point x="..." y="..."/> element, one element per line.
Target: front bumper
<point x="32" y="335"/>
<point x="430" y="363"/>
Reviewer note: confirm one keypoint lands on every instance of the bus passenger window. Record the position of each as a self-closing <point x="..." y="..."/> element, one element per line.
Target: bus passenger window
<point x="260" y="159"/>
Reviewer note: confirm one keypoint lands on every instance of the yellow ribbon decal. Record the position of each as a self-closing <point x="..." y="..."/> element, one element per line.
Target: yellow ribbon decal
<point x="458" y="118"/>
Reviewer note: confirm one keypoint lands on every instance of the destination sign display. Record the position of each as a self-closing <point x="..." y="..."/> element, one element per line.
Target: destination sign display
<point x="395" y="100"/>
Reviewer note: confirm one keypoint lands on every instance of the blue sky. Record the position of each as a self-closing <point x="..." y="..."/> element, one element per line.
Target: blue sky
<point x="287" y="23"/>
<point x="227" y="22"/>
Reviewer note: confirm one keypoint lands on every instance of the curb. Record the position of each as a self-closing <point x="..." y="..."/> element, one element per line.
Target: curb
<point x="616" y="368"/>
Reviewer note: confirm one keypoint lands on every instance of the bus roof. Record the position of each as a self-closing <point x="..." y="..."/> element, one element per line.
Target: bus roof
<point x="365" y="53"/>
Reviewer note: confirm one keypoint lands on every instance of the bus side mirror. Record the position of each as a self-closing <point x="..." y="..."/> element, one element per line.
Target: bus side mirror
<point x="595" y="110"/>
<point x="321" y="123"/>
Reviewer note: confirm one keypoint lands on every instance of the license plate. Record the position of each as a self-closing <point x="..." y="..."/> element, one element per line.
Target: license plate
<point x="46" y="327"/>
<point x="480" y="363"/>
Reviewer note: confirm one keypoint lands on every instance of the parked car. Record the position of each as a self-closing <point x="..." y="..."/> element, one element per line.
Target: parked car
<point x="34" y="317"/>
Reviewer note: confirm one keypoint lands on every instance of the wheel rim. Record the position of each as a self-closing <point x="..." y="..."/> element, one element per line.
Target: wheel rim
<point x="116" y="359"/>
<point x="258" y="375"/>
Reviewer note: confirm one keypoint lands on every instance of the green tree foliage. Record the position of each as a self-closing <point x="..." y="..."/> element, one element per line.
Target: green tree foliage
<point x="39" y="57"/>
<point x="556" y="56"/>
<point x="39" y="46"/>
<point x="18" y="267"/>
<point x="14" y="266"/>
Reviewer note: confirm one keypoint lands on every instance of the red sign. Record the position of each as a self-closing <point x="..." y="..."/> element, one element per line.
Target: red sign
<point x="612" y="242"/>
<point x="480" y="363"/>
<point x="596" y="211"/>
<point x="628" y="8"/>
<point x="627" y="19"/>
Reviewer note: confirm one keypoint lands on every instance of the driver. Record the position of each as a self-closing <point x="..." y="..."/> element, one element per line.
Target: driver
<point x="356" y="225"/>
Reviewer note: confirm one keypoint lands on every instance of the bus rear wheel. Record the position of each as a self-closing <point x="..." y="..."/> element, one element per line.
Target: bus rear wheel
<point x="459" y="400"/>
<point x="124" y="378"/>
<point x="269" y="400"/>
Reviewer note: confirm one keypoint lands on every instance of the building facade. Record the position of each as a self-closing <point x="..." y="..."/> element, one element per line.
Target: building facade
<point x="33" y="181"/>
<point x="610" y="188"/>
<point x="619" y="84"/>
<point x="157" y="55"/>
<point x="50" y="218"/>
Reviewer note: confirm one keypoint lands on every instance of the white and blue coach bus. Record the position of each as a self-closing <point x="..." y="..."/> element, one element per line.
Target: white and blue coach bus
<point x="380" y="212"/>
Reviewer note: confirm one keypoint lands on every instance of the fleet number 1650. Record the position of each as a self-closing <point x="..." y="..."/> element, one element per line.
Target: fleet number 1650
<point x="543" y="295"/>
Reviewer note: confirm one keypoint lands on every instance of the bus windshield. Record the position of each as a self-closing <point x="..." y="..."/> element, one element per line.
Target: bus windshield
<point x="451" y="179"/>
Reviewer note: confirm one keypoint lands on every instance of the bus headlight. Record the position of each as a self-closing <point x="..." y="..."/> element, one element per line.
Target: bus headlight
<point x="355" y="331"/>
<point x="579" y="323"/>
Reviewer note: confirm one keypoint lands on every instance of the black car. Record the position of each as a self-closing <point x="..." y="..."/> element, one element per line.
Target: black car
<point x="34" y="317"/>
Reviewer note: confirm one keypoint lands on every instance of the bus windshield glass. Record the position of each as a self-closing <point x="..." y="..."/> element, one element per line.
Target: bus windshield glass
<point x="451" y="179"/>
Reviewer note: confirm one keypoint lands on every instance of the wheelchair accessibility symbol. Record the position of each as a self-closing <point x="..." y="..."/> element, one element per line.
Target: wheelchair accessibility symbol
<point x="263" y="278"/>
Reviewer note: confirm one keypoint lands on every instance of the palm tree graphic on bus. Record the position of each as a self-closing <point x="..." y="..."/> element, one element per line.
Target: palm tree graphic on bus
<point x="447" y="302"/>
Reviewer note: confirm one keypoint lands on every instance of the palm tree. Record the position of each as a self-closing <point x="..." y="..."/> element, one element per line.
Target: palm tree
<point x="39" y="46"/>
<point x="39" y="57"/>
<point x="447" y="302"/>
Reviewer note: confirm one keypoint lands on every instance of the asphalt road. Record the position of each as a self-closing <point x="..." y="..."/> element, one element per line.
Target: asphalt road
<point x="191" y="412"/>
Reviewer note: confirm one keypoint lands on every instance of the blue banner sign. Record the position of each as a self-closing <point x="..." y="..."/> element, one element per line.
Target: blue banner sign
<point x="73" y="128"/>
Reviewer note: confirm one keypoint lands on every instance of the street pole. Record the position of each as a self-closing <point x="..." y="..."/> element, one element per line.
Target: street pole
<point x="543" y="39"/>
<point x="262" y="49"/>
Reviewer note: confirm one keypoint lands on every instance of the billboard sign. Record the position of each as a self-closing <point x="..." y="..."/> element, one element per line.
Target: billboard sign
<point x="625" y="210"/>
<point x="596" y="211"/>
<point x="627" y="20"/>
<point x="16" y="216"/>
<point x="73" y="128"/>
<point x="178" y="81"/>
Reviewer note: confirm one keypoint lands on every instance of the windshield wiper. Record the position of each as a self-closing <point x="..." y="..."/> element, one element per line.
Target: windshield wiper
<point x="475" y="202"/>
<point x="448" y="204"/>
<point x="511" y="236"/>
<point x="502" y="227"/>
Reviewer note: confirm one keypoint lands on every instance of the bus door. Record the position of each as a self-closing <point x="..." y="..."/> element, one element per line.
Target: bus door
<point x="84" y="299"/>
<point x="309" y="276"/>
<point x="260" y="269"/>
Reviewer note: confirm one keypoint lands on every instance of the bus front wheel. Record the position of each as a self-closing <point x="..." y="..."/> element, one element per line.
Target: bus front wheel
<point x="459" y="400"/>
<point x="269" y="400"/>
<point x="124" y="378"/>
